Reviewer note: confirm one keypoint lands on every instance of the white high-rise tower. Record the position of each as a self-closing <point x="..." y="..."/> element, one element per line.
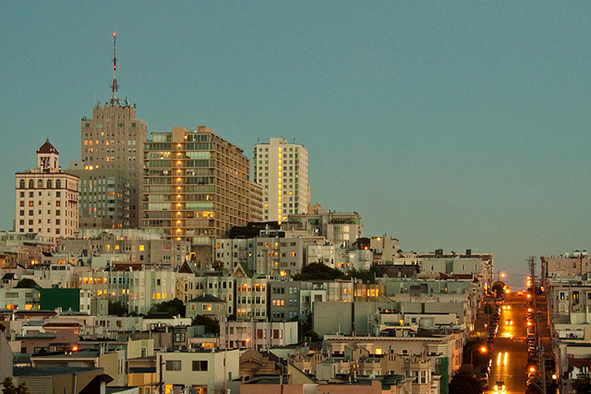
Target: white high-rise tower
<point x="281" y="169"/>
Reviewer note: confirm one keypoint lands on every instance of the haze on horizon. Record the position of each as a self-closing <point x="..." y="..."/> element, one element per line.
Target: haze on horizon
<point x="446" y="125"/>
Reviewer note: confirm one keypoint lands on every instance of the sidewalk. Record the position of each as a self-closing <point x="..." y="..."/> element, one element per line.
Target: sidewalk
<point x="482" y="321"/>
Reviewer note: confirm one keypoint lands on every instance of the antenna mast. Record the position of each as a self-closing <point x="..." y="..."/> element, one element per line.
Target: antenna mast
<point x="114" y="86"/>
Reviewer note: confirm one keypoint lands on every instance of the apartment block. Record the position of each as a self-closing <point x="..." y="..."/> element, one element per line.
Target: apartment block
<point x="231" y="252"/>
<point x="47" y="197"/>
<point x="282" y="170"/>
<point x="257" y="334"/>
<point x="567" y="266"/>
<point x="132" y="245"/>
<point x="342" y="229"/>
<point x="282" y="253"/>
<point x="252" y="299"/>
<point x="197" y="372"/>
<point x="284" y="299"/>
<point x="196" y="187"/>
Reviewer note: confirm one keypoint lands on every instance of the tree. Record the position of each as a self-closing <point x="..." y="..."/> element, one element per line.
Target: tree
<point x="498" y="288"/>
<point x="116" y="309"/>
<point x="312" y="336"/>
<point x="463" y="382"/>
<point x="27" y="283"/>
<point x="9" y="388"/>
<point x="319" y="271"/>
<point x="366" y="276"/>
<point x="174" y="307"/>
<point x="474" y="354"/>
<point x="210" y="325"/>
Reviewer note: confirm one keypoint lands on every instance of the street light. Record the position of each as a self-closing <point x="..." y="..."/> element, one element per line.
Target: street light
<point x="482" y="349"/>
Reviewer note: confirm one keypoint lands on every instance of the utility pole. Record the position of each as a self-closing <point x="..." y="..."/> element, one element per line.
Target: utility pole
<point x="532" y="267"/>
<point x="161" y="382"/>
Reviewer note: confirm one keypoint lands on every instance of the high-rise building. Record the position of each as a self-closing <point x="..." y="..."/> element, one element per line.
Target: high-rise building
<point x="112" y="151"/>
<point x="282" y="169"/>
<point x="47" y="197"/>
<point x="196" y="187"/>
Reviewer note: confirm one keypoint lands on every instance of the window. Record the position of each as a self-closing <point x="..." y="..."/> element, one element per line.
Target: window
<point x="199" y="365"/>
<point x="173" y="365"/>
<point x="423" y="377"/>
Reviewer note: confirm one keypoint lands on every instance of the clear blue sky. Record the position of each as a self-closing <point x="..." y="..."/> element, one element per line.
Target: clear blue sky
<point x="448" y="125"/>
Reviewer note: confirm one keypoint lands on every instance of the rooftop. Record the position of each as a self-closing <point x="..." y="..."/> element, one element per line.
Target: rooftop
<point x="207" y="298"/>
<point x="49" y="371"/>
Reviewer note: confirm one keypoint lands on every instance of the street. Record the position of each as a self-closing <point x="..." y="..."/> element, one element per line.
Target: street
<point x="509" y="356"/>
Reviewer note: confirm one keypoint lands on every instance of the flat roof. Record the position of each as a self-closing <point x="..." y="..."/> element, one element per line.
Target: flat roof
<point x="49" y="371"/>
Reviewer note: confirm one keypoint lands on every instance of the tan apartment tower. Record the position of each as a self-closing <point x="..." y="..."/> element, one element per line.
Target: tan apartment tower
<point x="47" y="197"/>
<point x="281" y="169"/>
<point x="112" y="152"/>
<point x="196" y="187"/>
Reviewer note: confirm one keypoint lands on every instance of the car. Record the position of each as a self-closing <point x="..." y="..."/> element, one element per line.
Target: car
<point x="499" y="387"/>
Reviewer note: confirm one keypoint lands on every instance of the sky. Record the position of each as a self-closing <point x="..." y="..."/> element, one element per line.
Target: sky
<point x="448" y="125"/>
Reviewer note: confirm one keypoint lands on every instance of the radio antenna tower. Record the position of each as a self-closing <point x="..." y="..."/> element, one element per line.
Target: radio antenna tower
<point x="114" y="86"/>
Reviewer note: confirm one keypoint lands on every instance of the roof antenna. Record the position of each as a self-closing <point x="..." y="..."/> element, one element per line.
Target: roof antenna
<point x="114" y="86"/>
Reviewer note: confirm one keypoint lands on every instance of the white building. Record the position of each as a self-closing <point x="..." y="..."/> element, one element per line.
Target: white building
<point x="47" y="197"/>
<point x="203" y="372"/>
<point x="341" y="229"/>
<point x="282" y="252"/>
<point x="231" y="252"/>
<point x="19" y="299"/>
<point x="251" y="299"/>
<point x="282" y="169"/>
<point x="272" y="252"/>
<point x="257" y="334"/>
<point x="137" y="289"/>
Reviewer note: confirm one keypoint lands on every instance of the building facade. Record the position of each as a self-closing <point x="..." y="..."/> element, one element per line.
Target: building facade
<point x="196" y="187"/>
<point x="47" y="197"/>
<point x="112" y="140"/>
<point x="342" y="229"/>
<point x="112" y="143"/>
<point x="282" y="169"/>
<point x="197" y="372"/>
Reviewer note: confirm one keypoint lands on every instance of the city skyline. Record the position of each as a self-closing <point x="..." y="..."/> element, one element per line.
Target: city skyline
<point x="456" y="126"/>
